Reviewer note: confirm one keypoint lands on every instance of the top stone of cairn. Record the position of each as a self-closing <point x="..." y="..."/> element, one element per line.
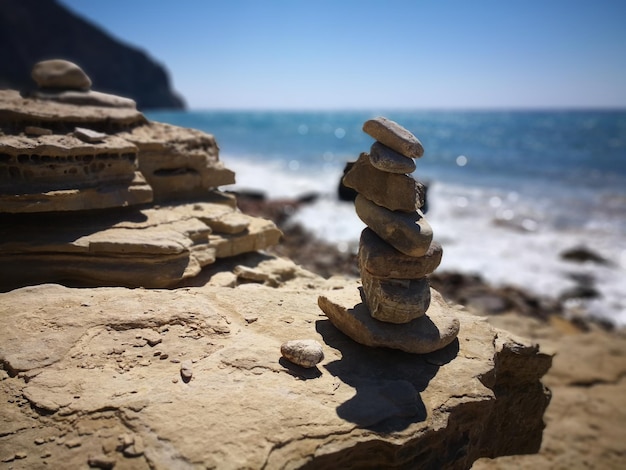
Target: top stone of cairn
<point x="60" y="74"/>
<point x="394" y="136"/>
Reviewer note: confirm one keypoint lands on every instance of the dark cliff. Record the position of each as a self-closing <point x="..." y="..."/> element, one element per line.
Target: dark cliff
<point x="34" y="30"/>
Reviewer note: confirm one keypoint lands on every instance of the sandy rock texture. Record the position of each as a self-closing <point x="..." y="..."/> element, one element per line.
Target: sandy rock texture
<point x="586" y="423"/>
<point x="178" y="162"/>
<point x="586" y="419"/>
<point x="193" y="377"/>
<point x="153" y="247"/>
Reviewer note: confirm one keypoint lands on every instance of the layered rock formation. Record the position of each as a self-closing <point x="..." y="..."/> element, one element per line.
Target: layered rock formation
<point x="36" y="30"/>
<point x="63" y="162"/>
<point x="195" y="376"/>
<point x="396" y="252"/>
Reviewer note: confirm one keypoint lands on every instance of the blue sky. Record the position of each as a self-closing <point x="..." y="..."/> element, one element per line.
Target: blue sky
<point x="358" y="54"/>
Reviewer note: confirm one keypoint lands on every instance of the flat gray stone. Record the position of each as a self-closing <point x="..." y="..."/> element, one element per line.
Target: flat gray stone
<point x="394" y="136"/>
<point x="408" y="232"/>
<point x="347" y="311"/>
<point x="62" y="74"/>
<point x="396" y="192"/>
<point x="395" y="300"/>
<point x="381" y="259"/>
<point x="386" y="159"/>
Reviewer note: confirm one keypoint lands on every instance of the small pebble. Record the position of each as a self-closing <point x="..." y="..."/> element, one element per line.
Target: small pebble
<point x="303" y="352"/>
<point x="185" y="371"/>
<point x="101" y="461"/>
<point x="88" y="135"/>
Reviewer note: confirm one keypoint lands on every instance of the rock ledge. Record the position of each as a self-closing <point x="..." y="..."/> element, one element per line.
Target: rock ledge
<point x="96" y="376"/>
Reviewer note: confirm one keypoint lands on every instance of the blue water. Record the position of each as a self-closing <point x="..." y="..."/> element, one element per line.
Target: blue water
<point x="586" y="148"/>
<point x="509" y="190"/>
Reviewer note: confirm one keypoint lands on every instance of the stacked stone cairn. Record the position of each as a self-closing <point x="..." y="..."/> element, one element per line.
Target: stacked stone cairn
<point x="396" y="250"/>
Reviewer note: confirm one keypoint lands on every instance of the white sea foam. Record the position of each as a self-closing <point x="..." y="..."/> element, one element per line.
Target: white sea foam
<point x="507" y="237"/>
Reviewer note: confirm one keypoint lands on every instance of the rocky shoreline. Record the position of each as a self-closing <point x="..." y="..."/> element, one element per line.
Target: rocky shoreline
<point x="585" y="421"/>
<point x="162" y="348"/>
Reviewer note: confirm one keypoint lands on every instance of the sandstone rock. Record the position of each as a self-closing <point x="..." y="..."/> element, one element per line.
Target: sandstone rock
<point x="382" y="260"/>
<point x="17" y="112"/>
<point x="51" y="162"/>
<point x="395" y="300"/>
<point x="34" y="130"/>
<point x="303" y="352"/>
<point x="394" y="136"/>
<point x="480" y="396"/>
<point x="393" y="191"/>
<point x="346" y="309"/>
<point x="259" y="235"/>
<point x="122" y="194"/>
<point x="63" y="74"/>
<point x="178" y="163"/>
<point x="409" y="233"/>
<point x="386" y="159"/>
<point x="152" y="247"/>
<point x="63" y="173"/>
<point x="85" y="98"/>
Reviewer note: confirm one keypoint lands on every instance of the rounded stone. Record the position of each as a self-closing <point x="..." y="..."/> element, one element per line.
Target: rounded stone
<point x="394" y="136"/>
<point x="409" y="233"/>
<point x="60" y="74"/>
<point x="381" y="259"/>
<point x="393" y="191"/>
<point x="396" y="300"/>
<point x="303" y="352"/>
<point x="386" y="159"/>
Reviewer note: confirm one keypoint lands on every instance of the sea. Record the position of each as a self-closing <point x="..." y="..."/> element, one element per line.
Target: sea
<point x="508" y="191"/>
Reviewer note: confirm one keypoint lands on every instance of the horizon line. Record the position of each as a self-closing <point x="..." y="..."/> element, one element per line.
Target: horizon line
<point x="570" y="108"/>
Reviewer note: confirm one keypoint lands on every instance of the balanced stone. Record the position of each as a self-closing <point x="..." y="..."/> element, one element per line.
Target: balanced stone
<point x="394" y="136"/>
<point x="408" y="232"/>
<point x="386" y="159"/>
<point x="396" y="300"/>
<point x="346" y="310"/>
<point x="61" y="74"/>
<point x="382" y="260"/>
<point x="394" y="191"/>
<point x="303" y="352"/>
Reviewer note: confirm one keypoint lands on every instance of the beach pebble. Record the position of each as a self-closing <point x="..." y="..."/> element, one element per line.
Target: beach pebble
<point x="61" y="74"/>
<point x="396" y="192"/>
<point x="303" y="352"/>
<point x="185" y="371"/>
<point x="394" y="136"/>
<point x="386" y="159"/>
<point x="409" y="233"/>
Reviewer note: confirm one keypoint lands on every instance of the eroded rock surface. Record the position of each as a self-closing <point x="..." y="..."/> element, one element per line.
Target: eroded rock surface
<point x="179" y="163"/>
<point x="68" y="155"/>
<point x="96" y="375"/>
<point x="151" y="247"/>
